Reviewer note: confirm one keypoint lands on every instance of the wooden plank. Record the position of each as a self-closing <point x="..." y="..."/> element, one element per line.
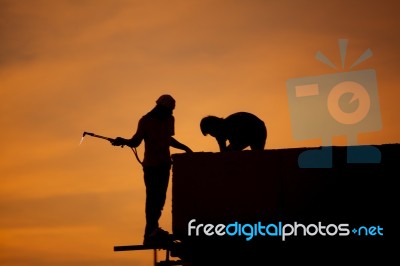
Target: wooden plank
<point x="140" y="247"/>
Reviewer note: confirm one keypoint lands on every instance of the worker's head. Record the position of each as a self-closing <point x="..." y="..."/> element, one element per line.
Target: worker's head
<point x="166" y="101"/>
<point x="210" y="125"/>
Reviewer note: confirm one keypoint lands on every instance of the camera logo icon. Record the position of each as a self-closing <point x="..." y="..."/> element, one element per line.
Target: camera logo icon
<point x="339" y="104"/>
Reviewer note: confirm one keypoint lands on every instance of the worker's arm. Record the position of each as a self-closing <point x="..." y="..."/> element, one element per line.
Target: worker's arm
<point x="136" y="139"/>
<point x="176" y="144"/>
<point x="222" y="144"/>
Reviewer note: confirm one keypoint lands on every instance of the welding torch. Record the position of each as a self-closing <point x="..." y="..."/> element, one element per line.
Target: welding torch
<point x="110" y="140"/>
<point x="97" y="136"/>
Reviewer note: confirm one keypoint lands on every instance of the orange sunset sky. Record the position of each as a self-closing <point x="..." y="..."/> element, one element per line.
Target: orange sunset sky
<point x="71" y="66"/>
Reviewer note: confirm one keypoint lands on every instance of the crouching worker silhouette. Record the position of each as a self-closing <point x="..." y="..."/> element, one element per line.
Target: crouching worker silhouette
<point x="156" y="128"/>
<point x="241" y="129"/>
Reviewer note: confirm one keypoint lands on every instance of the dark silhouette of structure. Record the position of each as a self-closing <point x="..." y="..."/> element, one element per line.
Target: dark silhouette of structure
<point x="241" y="129"/>
<point x="269" y="187"/>
<point x="156" y="128"/>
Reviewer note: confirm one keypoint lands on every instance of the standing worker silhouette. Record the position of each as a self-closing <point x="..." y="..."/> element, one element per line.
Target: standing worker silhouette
<point x="241" y="130"/>
<point x="156" y="128"/>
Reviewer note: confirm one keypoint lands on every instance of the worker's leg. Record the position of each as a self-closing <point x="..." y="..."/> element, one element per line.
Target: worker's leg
<point x="156" y="180"/>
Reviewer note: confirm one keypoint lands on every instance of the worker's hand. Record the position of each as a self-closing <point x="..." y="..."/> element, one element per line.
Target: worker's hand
<point x="119" y="141"/>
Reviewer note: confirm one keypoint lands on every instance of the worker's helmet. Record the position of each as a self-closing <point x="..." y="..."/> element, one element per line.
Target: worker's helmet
<point x="166" y="100"/>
